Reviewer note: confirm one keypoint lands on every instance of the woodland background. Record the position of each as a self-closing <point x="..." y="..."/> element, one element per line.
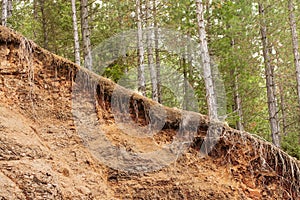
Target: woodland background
<point x="253" y="44"/>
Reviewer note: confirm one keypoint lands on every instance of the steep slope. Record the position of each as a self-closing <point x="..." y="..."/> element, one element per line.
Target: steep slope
<point x="53" y="129"/>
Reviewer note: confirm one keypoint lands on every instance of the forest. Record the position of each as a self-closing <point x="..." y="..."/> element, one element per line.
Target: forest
<point x="248" y="49"/>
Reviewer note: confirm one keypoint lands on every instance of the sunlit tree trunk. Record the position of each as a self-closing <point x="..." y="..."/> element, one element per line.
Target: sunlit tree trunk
<point x="4" y="12"/>
<point x="75" y="30"/>
<point x="270" y="83"/>
<point x="141" y="70"/>
<point x="86" y="35"/>
<point x="152" y="68"/>
<point x="295" y="45"/>
<point x="208" y="79"/>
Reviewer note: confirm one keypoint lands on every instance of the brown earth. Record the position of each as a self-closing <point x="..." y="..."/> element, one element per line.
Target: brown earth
<point x="48" y="151"/>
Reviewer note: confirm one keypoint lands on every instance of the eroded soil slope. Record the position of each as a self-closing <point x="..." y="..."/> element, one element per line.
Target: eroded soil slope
<point x="44" y="155"/>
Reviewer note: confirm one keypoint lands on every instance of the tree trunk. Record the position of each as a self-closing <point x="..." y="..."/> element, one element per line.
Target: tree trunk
<point x="238" y="105"/>
<point x="86" y="35"/>
<point x="186" y="81"/>
<point x="9" y="8"/>
<point x="236" y="96"/>
<point x="4" y="13"/>
<point x="35" y="16"/>
<point x="44" y="24"/>
<point x="157" y="58"/>
<point x="283" y="113"/>
<point x="141" y="70"/>
<point x="269" y="73"/>
<point x="295" y="45"/>
<point x="75" y="30"/>
<point x="210" y="92"/>
<point x="152" y="68"/>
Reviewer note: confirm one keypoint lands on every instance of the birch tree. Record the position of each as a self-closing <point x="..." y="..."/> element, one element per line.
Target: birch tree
<point x="86" y="35"/>
<point x="270" y="83"/>
<point x="207" y="72"/>
<point x="141" y="69"/>
<point x="75" y="30"/>
<point x="4" y="12"/>
<point x="295" y="45"/>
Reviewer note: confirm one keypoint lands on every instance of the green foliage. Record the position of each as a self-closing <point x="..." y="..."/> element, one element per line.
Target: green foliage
<point x="290" y="144"/>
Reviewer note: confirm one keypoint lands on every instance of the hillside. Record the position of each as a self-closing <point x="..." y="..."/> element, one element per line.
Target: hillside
<point x="53" y="129"/>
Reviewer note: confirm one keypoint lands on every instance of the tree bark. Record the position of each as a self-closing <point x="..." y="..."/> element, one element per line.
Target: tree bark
<point x="295" y="46"/>
<point x="157" y="58"/>
<point x="186" y="81"/>
<point x="86" y="35"/>
<point x="238" y="105"/>
<point x="9" y="8"/>
<point x="44" y="24"/>
<point x="35" y="16"/>
<point x="236" y="96"/>
<point x="151" y="66"/>
<point x="283" y="113"/>
<point x="75" y="30"/>
<point x="270" y="83"/>
<point x="4" y="12"/>
<point x="208" y="79"/>
<point x="141" y="68"/>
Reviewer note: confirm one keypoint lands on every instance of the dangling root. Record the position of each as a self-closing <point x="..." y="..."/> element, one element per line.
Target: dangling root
<point x="261" y="160"/>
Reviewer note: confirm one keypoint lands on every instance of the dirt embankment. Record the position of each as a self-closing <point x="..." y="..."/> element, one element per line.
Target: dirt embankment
<point x="49" y="150"/>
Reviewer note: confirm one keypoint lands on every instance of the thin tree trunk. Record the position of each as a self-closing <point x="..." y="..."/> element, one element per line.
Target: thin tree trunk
<point x="9" y="8"/>
<point x="283" y="113"/>
<point x="86" y="35"/>
<point x="295" y="45"/>
<point x="210" y="93"/>
<point x="186" y="89"/>
<point x="75" y="30"/>
<point x="4" y="12"/>
<point x="44" y="24"/>
<point x="190" y="64"/>
<point x="238" y="105"/>
<point x="141" y="70"/>
<point x="152" y="68"/>
<point x="157" y="58"/>
<point x="269" y="73"/>
<point x="236" y="97"/>
<point x="35" y="17"/>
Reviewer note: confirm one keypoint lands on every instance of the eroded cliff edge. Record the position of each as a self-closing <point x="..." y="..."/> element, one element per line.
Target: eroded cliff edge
<point x="43" y="155"/>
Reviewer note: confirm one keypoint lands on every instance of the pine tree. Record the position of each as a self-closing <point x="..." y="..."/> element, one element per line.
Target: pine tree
<point x="207" y="73"/>
<point x="270" y="81"/>
<point x="75" y="30"/>
<point x="86" y="35"/>
<point x="141" y="70"/>
<point x="151" y="66"/>
<point x="295" y="45"/>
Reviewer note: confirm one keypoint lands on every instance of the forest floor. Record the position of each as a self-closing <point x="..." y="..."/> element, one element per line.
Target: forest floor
<point x="44" y="155"/>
